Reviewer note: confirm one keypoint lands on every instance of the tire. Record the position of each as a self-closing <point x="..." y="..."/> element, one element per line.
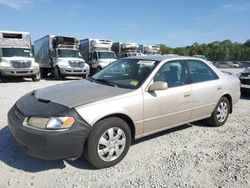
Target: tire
<point x="36" y="78"/>
<point x="43" y="72"/>
<point x="84" y="76"/>
<point x="3" y="79"/>
<point x="57" y="74"/>
<point x="100" y="140"/>
<point x="220" y="113"/>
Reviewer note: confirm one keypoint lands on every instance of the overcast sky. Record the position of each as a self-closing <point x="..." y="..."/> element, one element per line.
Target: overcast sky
<point x="172" y="22"/>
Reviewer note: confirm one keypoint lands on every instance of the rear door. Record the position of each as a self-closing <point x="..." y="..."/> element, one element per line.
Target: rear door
<point x="206" y="88"/>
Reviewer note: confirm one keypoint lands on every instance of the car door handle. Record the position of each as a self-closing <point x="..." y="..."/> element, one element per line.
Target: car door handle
<point x="219" y="87"/>
<point x="187" y="94"/>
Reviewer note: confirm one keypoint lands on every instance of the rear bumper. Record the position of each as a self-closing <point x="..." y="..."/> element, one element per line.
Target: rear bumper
<point x="49" y="144"/>
<point x="19" y="72"/>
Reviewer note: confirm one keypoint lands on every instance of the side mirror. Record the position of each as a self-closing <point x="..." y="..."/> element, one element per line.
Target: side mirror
<point x="158" y="85"/>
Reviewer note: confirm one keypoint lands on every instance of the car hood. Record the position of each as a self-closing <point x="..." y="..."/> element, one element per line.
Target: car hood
<point x="77" y="93"/>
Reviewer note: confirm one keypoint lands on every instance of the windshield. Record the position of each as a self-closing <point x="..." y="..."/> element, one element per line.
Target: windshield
<point x="69" y="53"/>
<point x="18" y="52"/>
<point x="126" y="73"/>
<point x="131" y="54"/>
<point x="107" y="55"/>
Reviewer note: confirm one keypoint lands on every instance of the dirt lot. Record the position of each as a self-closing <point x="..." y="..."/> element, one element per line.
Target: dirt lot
<point x="189" y="156"/>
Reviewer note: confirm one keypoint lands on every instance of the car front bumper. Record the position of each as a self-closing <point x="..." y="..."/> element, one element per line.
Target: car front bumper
<point x="48" y="144"/>
<point x="20" y="72"/>
<point x="74" y="71"/>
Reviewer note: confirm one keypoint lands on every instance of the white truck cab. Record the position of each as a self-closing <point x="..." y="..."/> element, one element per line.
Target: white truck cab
<point x="16" y="58"/>
<point x="97" y="53"/>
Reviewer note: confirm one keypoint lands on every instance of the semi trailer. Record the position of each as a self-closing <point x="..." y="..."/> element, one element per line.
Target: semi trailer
<point x="150" y="49"/>
<point x="97" y="53"/>
<point x="16" y="58"/>
<point x="126" y="49"/>
<point x="60" y="56"/>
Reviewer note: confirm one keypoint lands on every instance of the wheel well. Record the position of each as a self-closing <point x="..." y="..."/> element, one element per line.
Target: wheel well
<point x="127" y="119"/>
<point x="230" y="102"/>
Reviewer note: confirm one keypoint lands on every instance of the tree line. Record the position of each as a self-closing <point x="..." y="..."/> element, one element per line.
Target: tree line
<point x="214" y="51"/>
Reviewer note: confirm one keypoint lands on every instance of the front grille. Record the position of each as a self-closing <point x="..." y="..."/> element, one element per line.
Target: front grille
<point x="21" y="64"/>
<point x="76" y="64"/>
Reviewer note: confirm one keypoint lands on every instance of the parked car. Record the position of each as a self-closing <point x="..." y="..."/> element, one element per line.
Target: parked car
<point x="227" y="64"/>
<point x="129" y="99"/>
<point x="245" y="81"/>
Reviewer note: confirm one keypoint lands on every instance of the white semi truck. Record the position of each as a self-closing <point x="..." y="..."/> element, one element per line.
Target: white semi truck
<point x="126" y="49"/>
<point x="16" y="58"/>
<point x="150" y="49"/>
<point x="97" y="53"/>
<point x="60" y="56"/>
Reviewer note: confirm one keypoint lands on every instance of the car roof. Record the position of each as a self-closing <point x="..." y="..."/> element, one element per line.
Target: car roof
<point x="161" y="57"/>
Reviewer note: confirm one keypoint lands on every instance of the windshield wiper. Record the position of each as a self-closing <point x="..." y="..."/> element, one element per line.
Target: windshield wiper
<point x="107" y="82"/>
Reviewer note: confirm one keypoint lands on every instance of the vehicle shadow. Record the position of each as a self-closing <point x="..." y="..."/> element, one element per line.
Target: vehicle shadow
<point x="13" y="156"/>
<point x="162" y="133"/>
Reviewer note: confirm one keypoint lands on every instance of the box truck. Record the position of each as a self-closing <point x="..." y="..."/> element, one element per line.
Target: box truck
<point x="126" y="49"/>
<point x="16" y="58"/>
<point x="150" y="49"/>
<point x="97" y="53"/>
<point x="60" y="56"/>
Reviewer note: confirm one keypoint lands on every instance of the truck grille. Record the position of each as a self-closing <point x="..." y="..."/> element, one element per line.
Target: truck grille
<point x="21" y="64"/>
<point x="76" y="64"/>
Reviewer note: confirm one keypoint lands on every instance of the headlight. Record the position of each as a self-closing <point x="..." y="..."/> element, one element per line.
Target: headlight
<point x="35" y="64"/>
<point x="63" y="64"/>
<point x="53" y="123"/>
<point x="5" y="64"/>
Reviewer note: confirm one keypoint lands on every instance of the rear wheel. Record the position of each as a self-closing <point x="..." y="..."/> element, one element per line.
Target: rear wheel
<point x="108" y="142"/>
<point x="220" y="113"/>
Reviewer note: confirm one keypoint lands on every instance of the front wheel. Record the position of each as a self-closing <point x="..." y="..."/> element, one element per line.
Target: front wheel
<point x="36" y="78"/>
<point x="57" y="74"/>
<point x="108" y="143"/>
<point x="220" y="113"/>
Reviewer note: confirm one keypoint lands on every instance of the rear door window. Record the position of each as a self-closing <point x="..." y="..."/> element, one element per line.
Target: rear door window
<point x="200" y="72"/>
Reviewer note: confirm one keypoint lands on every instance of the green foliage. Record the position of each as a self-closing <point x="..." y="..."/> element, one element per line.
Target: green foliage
<point x="214" y="51"/>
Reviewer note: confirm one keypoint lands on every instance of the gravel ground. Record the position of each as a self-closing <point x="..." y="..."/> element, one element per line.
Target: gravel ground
<point x="192" y="155"/>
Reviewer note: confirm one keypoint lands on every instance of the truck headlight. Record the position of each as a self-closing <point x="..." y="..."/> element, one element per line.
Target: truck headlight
<point x="63" y="64"/>
<point x="35" y="65"/>
<point x="5" y="64"/>
<point x="52" y="123"/>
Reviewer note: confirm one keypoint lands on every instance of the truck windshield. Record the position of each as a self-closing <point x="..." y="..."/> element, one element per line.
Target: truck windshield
<point x="18" y="52"/>
<point x="107" y="55"/>
<point x="69" y="53"/>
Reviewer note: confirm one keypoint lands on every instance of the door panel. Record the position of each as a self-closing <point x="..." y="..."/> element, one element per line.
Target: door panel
<point x="166" y="108"/>
<point x="206" y="88"/>
<point x="205" y="96"/>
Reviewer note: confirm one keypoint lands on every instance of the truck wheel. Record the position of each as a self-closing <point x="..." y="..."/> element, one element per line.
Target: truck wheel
<point x="3" y="79"/>
<point x="57" y="74"/>
<point x="108" y="142"/>
<point x="220" y="113"/>
<point x="36" y="78"/>
<point x="43" y="72"/>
